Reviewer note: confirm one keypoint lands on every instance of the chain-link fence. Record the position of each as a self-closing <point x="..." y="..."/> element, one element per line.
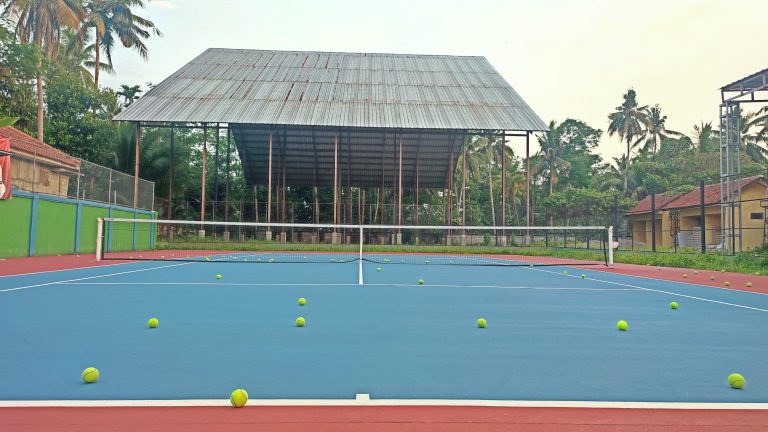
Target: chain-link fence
<point x="71" y="177"/>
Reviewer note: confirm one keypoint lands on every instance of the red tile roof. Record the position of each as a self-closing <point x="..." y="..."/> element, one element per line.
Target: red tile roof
<point x="26" y="145"/>
<point x="690" y="199"/>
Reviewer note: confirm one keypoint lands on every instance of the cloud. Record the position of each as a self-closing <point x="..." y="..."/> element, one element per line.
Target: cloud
<point x="163" y="4"/>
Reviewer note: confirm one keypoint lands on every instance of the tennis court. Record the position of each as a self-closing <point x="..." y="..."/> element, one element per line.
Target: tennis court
<point x="551" y="336"/>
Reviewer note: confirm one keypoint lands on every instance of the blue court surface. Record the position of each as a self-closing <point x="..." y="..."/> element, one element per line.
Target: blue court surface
<point x="550" y="336"/>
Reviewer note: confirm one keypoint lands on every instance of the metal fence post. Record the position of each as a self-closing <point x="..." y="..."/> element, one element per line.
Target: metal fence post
<point x="653" y="221"/>
<point x="703" y="218"/>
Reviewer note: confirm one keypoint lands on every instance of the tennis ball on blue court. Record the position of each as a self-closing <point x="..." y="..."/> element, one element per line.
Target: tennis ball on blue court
<point x="300" y="321"/>
<point x="153" y="322"/>
<point x="218" y="276"/>
<point x="565" y="272"/>
<point x="427" y="262"/>
<point x="271" y="260"/>
<point x="749" y="284"/>
<point x="258" y="259"/>
<point x="736" y="381"/>
<point x="207" y="259"/>
<point x="622" y="325"/>
<point x="481" y="323"/>
<point x="530" y="265"/>
<point x="421" y="281"/>
<point x="378" y="269"/>
<point x="450" y="262"/>
<point x="386" y="260"/>
<point x="302" y="301"/>
<point x="90" y="375"/>
<point x="238" y="398"/>
<point x="727" y="283"/>
<point x="583" y="276"/>
<point x="333" y="259"/>
<point x="673" y="305"/>
<point x="305" y="257"/>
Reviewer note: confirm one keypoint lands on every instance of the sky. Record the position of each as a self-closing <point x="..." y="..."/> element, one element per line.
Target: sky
<point x="567" y="58"/>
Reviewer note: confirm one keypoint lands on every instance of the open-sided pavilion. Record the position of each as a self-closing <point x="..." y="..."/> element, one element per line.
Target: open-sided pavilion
<point x="354" y="120"/>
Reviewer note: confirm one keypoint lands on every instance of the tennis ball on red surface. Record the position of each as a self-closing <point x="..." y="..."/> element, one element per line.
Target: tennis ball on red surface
<point x="481" y="323"/>
<point x="711" y="278"/>
<point x="727" y="283"/>
<point x="218" y="276"/>
<point x="421" y="281"/>
<point x="685" y="275"/>
<point x="90" y="375"/>
<point x="300" y="321"/>
<point x="673" y="305"/>
<point x="622" y="325"/>
<point x="749" y="284"/>
<point x="153" y="322"/>
<point x="302" y="301"/>
<point x="736" y="381"/>
<point x="722" y="271"/>
<point x="695" y="272"/>
<point x="238" y="398"/>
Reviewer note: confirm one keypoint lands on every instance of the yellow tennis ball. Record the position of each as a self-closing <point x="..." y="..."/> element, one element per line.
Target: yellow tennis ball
<point x="421" y="281"/>
<point x="218" y="276"/>
<point x="300" y="321"/>
<point x="90" y="375"/>
<point x="583" y="276"/>
<point x="685" y="275"/>
<point x="153" y="322"/>
<point x="482" y="323"/>
<point x="749" y="284"/>
<point x="302" y="301"/>
<point x="727" y="283"/>
<point x="711" y="278"/>
<point x="736" y="381"/>
<point x="238" y="398"/>
<point x="622" y="325"/>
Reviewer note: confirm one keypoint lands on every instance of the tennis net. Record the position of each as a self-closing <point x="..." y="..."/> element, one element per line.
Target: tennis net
<point x="145" y="239"/>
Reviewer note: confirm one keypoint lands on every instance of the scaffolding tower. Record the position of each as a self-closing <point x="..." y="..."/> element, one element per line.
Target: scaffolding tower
<point x="751" y="89"/>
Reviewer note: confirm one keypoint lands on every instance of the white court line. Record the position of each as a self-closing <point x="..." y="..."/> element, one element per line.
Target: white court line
<point x="212" y="284"/>
<point x="661" y="291"/>
<point x="69" y="269"/>
<point x="687" y="283"/>
<point x="388" y="402"/>
<point x="90" y="277"/>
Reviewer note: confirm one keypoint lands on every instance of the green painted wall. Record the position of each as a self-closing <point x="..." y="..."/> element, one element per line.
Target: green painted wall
<point x="88" y="227"/>
<point x="56" y="223"/>
<point x="55" y="228"/>
<point x="15" y="216"/>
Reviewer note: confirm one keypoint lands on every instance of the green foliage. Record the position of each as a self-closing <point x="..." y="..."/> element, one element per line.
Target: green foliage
<point x="78" y="122"/>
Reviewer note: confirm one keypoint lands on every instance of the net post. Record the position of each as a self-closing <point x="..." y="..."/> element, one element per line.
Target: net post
<point x="610" y="246"/>
<point x="99" y="230"/>
<point x="360" y="261"/>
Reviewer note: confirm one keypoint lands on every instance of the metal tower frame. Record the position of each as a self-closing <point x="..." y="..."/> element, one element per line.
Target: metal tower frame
<point x="751" y="89"/>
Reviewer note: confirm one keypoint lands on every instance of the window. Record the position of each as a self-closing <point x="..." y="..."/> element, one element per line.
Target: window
<point x="755" y="215"/>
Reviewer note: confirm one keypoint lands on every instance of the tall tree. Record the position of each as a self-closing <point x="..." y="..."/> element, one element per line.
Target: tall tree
<point x="113" y="20"/>
<point x="705" y="138"/>
<point x="549" y="160"/>
<point x="656" y="130"/>
<point x="40" y="23"/>
<point x="81" y="57"/>
<point x="629" y="123"/>
<point x="129" y="93"/>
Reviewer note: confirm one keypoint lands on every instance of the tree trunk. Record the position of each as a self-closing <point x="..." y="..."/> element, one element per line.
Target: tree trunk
<point x="626" y="170"/>
<point x="98" y="56"/>
<point x="490" y="181"/>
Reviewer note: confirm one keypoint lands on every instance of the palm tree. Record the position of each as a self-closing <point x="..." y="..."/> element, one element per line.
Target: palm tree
<point x="114" y="20"/>
<point x="629" y="122"/>
<point x="549" y="159"/>
<point x="40" y="23"/>
<point x="754" y="131"/>
<point x="705" y="138"/>
<point x="129" y="93"/>
<point x="656" y="130"/>
<point x="82" y="57"/>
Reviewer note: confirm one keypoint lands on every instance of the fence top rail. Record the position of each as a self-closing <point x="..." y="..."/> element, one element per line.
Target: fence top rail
<point x="355" y="226"/>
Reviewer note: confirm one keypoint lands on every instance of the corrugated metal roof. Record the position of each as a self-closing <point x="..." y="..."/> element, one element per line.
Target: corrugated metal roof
<point x="337" y="90"/>
<point x="757" y="80"/>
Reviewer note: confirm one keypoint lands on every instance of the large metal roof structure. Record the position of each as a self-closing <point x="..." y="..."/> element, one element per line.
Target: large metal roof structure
<point x="370" y="101"/>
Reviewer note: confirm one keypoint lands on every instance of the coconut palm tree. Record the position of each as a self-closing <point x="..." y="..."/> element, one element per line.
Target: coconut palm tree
<point x="549" y="159"/>
<point x="656" y="130"/>
<point x="129" y="93"/>
<point x="629" y="123"/>
<point x="109" y="21"/>
<point x="40" y="23"/>
<point x="705" y="138"/>
<point x="82" y="57"/>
